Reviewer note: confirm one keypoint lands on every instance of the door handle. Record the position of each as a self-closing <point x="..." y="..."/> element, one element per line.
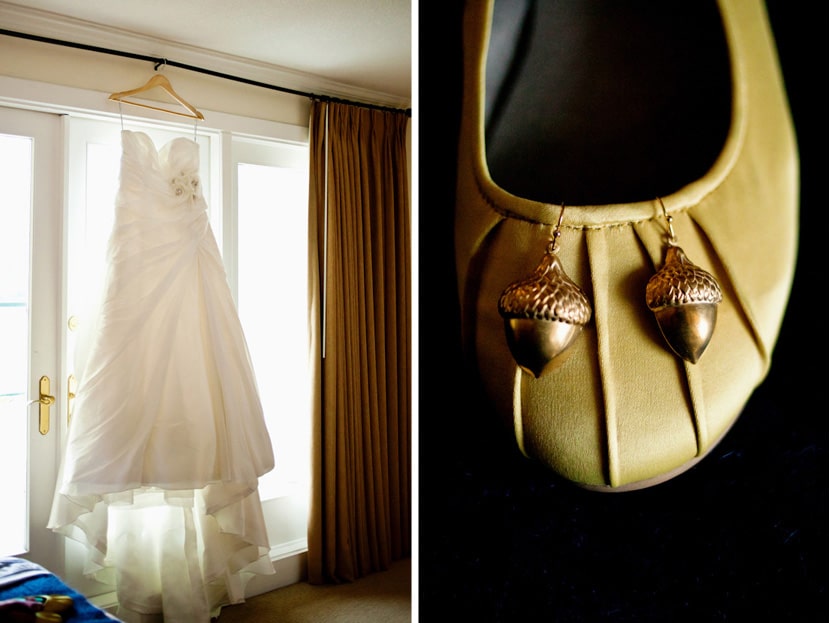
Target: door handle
<point x="45" y="401"/>
<point x="70" y="394"/>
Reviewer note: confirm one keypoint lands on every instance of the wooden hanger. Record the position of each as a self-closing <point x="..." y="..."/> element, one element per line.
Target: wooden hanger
<point x="158" y="80"/>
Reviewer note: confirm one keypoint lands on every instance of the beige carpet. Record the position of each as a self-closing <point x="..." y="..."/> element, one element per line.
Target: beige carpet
<point x="384" y="596"/>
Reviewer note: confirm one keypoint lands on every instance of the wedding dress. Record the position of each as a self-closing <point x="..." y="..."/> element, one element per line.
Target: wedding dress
<point x="167" y="437"/>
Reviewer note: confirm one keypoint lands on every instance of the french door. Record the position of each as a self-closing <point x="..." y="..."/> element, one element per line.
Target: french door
<point x="33" y="391"/>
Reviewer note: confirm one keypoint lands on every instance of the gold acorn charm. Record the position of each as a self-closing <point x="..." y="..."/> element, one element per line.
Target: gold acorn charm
<point x="543" y="313"/>
<point x="684" y="299"/>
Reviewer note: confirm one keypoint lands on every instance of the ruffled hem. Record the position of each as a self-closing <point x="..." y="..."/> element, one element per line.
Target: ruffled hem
<point x="180" y="553"/>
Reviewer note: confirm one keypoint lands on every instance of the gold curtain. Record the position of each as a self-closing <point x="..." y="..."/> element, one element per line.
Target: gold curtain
<point x="360" y="518"/>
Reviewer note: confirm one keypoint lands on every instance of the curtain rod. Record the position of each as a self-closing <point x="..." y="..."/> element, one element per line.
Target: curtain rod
<point x="163" y="61"/>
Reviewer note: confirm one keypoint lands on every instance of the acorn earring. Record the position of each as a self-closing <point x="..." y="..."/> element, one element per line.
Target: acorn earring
<point x="684" y="299"/>
<point x="544" y="312"/>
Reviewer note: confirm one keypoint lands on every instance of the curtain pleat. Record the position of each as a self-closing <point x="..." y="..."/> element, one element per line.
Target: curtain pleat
<point x="360" y="518"/>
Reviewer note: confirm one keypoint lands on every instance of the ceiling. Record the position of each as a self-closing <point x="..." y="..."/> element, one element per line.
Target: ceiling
<point x="365" y="44"/>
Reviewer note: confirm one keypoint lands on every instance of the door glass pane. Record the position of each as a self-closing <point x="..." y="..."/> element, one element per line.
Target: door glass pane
<point x="273" y="307"/>
<point x="15" y="217"/>
<point x="102" y="167"/>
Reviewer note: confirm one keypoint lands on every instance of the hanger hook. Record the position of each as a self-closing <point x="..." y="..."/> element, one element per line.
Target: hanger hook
<point x="159" y="63"/>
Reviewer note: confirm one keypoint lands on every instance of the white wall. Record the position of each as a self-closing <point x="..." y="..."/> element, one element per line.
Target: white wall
<point x="54" y="64"/>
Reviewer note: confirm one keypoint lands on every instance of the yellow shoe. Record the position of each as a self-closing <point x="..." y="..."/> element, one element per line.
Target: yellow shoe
<point x="54" y="603"/>
<point x="619" y="410"/>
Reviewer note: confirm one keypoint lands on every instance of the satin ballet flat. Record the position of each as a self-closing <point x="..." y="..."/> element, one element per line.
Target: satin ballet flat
<point x="54" y="603"/>
<point x="37" y="609"/>
<point x="608" y="134"/>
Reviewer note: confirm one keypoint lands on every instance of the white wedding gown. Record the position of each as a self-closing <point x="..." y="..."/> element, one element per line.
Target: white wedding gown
<point x="167" y="439"/>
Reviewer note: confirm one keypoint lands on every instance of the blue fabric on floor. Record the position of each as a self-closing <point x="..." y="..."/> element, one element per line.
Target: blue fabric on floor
<point x="49" y="584"/>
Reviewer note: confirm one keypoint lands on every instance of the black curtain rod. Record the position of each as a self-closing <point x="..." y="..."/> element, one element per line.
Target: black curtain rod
<point x="163" y="61"/>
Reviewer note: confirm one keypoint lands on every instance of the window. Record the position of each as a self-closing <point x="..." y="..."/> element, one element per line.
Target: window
<point x="16" y="181"/>
<point x="271" y="225"/>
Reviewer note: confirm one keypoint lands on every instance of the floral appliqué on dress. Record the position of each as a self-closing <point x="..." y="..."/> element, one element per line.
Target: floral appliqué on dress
<point x="186" y="185"/>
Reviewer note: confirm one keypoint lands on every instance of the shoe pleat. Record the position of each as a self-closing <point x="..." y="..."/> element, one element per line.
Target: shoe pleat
<point x="647" y="404"/>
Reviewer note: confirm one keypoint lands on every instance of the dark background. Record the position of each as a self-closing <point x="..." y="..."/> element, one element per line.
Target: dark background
<point x="740" y="537"/>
